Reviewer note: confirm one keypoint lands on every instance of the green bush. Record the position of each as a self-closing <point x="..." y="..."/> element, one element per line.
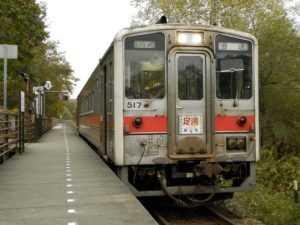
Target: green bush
<point x="272" y="208"/>
<point x="273" y="201"/>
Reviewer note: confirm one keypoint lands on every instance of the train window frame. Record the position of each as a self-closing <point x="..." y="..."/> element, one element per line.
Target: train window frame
<point x="241" y="76"/>
<point x="149" y="68"/>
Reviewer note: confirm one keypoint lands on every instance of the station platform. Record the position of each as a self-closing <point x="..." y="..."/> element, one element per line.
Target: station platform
<point x="61" y="181"/>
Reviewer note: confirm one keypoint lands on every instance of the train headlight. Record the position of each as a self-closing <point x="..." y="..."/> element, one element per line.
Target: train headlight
<point x="186" y="38"/>
<point x="236" y="143"/>
<point x="182" y="38"/>
<point x="242" y="120"/>
<point x="241" y="143"/>
<point x="137" y="122"/>
<point x="231" y="143"/>
<point x="196" y="39"/>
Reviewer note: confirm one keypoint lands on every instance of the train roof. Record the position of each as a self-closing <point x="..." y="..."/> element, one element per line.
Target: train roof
<point x="175" y="26"/>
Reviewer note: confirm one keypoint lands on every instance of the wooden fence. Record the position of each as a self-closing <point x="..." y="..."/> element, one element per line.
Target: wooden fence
<point x="13" y="136"/>
<point x="9" y="135"/>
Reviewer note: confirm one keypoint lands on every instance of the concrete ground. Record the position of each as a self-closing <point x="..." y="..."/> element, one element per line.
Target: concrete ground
<point x="61" y="181"/>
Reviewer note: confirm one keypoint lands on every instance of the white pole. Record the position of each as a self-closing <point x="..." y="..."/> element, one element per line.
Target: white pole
<point x="295" y="186"/>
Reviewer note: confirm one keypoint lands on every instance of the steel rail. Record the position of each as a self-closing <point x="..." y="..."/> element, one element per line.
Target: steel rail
<point x="219" y="217"/>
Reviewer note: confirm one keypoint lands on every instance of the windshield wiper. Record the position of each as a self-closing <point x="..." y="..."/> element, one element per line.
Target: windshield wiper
<point x="159" y="92"/>
<point x="239" y="84"/>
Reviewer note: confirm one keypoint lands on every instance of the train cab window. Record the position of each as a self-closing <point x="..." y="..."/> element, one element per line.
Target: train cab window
<point x="145" y="66"/>
<point x="190" y="77"/>
<point x="233" y="68"/>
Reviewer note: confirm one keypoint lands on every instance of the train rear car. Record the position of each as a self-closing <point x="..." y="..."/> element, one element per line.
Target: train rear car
<point x="175" y="109"/>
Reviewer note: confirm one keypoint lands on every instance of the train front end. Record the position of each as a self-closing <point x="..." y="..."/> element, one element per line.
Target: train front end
<point x="190" y="110"/>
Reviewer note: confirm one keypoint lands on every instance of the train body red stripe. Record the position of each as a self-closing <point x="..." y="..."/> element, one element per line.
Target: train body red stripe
<point x="90" y="120"/>
<point x="229" y="124"/>
<point x="151" y="124"/>
<point x="158" y="124"/>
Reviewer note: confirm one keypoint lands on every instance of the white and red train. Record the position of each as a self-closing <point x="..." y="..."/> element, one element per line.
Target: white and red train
<point x="175" y="109"/>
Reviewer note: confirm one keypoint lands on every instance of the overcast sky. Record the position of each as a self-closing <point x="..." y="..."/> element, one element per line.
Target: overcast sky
<point x="85" y="29"/>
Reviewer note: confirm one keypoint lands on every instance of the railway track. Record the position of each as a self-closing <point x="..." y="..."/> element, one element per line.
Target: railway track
<point x="170" y="214"/>
<point x="219" y="217"/>
<point x="203" y="216"/>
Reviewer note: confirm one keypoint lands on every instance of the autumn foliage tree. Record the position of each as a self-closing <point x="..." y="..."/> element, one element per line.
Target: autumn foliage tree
<point x="22" y="23"/>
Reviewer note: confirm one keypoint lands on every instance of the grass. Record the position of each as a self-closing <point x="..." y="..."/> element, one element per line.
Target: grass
<point x="273" y="201"/>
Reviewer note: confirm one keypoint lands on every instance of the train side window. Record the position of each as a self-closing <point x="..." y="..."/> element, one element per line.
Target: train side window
<point x="96" y="97"/>
<point x="145" y="66"/>
<point x="93" y="102"/>
<point x="233" y="68"/>
<point x="111" y="83"/>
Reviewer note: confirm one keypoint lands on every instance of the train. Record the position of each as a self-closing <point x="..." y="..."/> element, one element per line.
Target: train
<point x="174" y="109"/>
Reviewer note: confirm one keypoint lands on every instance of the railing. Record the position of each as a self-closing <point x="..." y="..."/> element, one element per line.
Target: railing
<point x="36" y="127"/>
<point x="47" y="124"/>
<point x="9" y="135"/>
<point x="13" y="136"/>
<point x="29" y="128"/>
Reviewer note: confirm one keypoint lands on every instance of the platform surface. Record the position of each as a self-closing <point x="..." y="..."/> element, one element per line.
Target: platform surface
<point x="61" y="181"/>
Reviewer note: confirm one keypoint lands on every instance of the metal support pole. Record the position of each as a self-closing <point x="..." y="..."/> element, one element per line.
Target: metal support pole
<point x="29" y="109"/>
<point x="5" y="79"/>
<point x="36" y="134"/>
<point x="20" y="124"/>
<point x="41" y="115"/>
<point x="21" y="121"/>
<point x="5" y="94"/>
<point x="36" y="118"/>
<point x="6" y="126"/>
<point x="22" y="132"/>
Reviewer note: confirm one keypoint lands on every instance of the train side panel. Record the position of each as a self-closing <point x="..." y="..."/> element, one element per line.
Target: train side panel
<point x="89" y="115"/>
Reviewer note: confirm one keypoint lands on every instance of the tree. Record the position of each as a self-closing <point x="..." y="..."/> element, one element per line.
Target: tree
<point x="70" y="113"/>
<point x="279" y="52"/>
<point x="23" y="23"/>
<point x="238" y="14"/>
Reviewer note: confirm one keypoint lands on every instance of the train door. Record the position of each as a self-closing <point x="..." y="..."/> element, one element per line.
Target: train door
<point x="108" y="73"/>
<point x="188" y="120"/>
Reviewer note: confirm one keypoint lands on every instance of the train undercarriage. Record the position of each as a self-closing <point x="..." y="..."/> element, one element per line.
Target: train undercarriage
<point x="218" y="180"/>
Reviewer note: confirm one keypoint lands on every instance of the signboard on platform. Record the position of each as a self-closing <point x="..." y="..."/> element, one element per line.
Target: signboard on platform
<point x="22" y="101"/>
<point x="38" y="89"/>
<point x="48" y="85"/>
<point x="9" y="51"/>
<point x="37" y="105"/>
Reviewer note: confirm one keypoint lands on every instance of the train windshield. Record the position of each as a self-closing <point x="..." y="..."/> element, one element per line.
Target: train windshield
<point x="233" y="68"/>
<point x="145" y="66"/>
